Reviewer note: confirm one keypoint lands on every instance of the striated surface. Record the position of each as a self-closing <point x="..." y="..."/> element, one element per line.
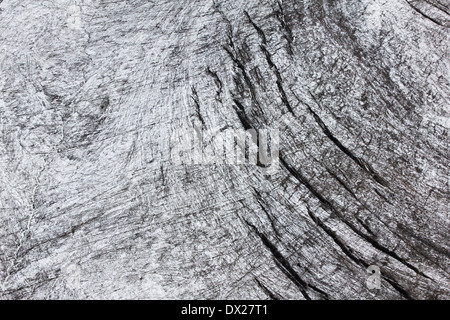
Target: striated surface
<point x="91" y="205"/>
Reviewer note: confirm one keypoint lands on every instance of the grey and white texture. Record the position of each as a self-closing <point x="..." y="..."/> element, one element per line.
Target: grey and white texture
<point x="91" y="206"/>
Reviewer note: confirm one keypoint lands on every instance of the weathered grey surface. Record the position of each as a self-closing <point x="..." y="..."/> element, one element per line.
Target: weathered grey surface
<point x="91" y="206"/>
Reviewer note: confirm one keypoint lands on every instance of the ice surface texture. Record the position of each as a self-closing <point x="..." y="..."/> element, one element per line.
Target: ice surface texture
<point x="92" y="207"/>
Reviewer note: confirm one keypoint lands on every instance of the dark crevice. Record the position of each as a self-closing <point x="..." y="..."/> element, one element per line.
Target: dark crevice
<point x="349" y="252"/>
<point x="431" y="244"/>
<point x="362" y="164"/>
<point x="423" y="14"/>
<point x="440" y="6"/>
<point x="281" y="16"/>
<point x="382" y="196"/>
<point x="194" y="97"/>
<point x="247" y="80"/>
<point x="266" y="290"/>
<point x="345" y="249"/>
<point x="104" y="104"/>
<point x="263" y="206"/>
<point x="228" y="23"/>
<point x="343" y="184"/>
<point x="246" y="123"/>
<point x="258" y="29"/>
<point x="299" y="177"/>
<point x="272" y="65"/>
<point x="240" y="111"/>
<point x="217" y="81"/>
<point x="397" y="287"/>
<point x="282" y="263"/>
<point x="365" y="226"/>
<point x="346" y="187"/>
<point x="279" y="78"/>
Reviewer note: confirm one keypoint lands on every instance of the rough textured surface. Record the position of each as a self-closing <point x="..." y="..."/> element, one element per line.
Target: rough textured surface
<point x="92" y="207"/>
